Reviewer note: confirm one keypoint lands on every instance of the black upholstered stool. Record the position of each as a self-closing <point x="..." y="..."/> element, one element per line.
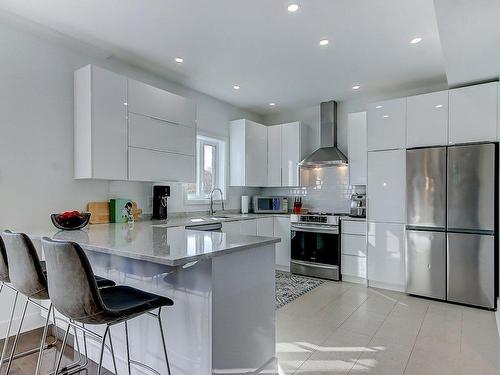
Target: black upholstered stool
<point x="75" y="294"/>
<point x="28" y="276"/>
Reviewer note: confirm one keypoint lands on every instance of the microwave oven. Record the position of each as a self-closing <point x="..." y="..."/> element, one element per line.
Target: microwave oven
<point x="268" y="205"/>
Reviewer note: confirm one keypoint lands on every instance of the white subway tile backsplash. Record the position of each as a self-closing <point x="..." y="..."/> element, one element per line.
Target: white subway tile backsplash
<point x="327" y="189"/>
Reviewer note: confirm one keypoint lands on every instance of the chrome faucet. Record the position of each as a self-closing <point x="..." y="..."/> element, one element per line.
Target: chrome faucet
<point x="211" y="211"/>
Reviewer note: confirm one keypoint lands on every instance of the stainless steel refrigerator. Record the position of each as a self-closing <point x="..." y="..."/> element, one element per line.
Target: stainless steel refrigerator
<point x="451" y="231"/>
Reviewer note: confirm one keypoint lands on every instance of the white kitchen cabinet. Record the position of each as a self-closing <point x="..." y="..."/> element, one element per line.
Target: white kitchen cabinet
<point x="354" y="244"/>
<point x="473" y="113"/>
<point x="152" y="165"/>
<point x="249" y="227"/>
<point x="283" y="250"/>
<point x="286" y="147"/>
<point x="274" y="155"/>
<point x="153" y="134"/>
<point x="231" y="227"/>
<point x="353" y="266"/>
<point x="354" y="227"/>
<point x="151" y="101"/>
<point x="357" y="148"/>
<point x="265" y="227"/>
<point x="427" y="120"/>
<point x="386" y="189"/>
<point x="386" y="255"/>
<point x="248" y="153"/>
<point x="293" y="145"/>
<point x="100" y="124"/>
<point x="386" y="125"/>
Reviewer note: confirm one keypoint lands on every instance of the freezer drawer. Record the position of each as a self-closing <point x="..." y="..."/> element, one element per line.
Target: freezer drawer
<point x="471" y="269"/>
<point x="426" y="187"/>
<point x="471" y="188"/>
<point x="426" y="263"/>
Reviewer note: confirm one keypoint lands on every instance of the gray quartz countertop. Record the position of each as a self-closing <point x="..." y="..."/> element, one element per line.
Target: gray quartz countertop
<point x="219" y="217"/>
<point x="168" y="245"/>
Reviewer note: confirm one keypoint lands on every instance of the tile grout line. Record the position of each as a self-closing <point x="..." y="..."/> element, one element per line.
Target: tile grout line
<point x="375" y="333"/>
<point x="357" y="307"/>
<point x="416" y="338"/>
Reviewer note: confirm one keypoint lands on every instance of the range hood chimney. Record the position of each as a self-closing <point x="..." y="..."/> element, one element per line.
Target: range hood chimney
<point x="328" y="154"/>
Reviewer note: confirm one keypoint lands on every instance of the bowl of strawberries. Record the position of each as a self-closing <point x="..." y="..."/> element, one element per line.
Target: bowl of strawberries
<point x="70" y="220"/>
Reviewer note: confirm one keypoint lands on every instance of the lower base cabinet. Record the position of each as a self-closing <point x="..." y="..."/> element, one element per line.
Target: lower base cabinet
<point x="353" y="261"/>
<point x="353" y="266"/>
<point x="386" y="255"/>
<point x="283" y="252"/>
<point x="266" y="227"/>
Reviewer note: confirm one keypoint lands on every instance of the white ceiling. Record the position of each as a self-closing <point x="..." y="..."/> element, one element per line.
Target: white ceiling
<point x="470" y="38"/>
<point x="272" y="54"/>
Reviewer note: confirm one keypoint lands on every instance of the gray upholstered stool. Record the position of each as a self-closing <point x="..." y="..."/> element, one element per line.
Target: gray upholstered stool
<point x="74" y="293"/>
<point x="27" y="276"/>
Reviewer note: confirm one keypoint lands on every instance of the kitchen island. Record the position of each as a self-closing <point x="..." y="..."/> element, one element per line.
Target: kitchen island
<point x="222" y="285"/>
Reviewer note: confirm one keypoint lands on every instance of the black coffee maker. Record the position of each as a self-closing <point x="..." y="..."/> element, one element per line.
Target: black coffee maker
<point x="160" y="195"/>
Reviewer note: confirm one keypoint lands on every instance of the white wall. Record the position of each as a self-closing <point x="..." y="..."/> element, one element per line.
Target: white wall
<point x="36" y="146"/>
<point x="36" y="123"/>
<point x="311" y="117"/>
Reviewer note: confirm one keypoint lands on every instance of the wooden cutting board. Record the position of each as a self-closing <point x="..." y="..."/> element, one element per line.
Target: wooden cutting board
<point x="100" y="212"/>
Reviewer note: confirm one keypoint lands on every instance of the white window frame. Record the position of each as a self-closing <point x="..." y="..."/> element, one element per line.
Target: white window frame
<point x="220" y="145"/>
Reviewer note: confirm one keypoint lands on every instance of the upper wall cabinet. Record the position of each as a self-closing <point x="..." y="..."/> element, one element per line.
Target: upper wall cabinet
<point x="293" y="145"/>
<point x="160" y="104"/>
<point x="125" y="129"/>
<point x="100" y="124"/>
<point x="274" y="141"/>
<point x="386" y="189"/>
<point x="387" y="125"/>
<point x="473" y="113"/>
<point x="248" y="153"/>
<point x="357" y="148"/>
<point x="286" y="145"/>
<point x="427" y="120"/>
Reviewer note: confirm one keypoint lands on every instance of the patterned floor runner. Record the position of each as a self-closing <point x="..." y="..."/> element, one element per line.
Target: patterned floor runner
<point x="289" y="287"/>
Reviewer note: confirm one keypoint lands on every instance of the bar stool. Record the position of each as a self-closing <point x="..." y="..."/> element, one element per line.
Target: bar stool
<point x="74" y="293"/>
<point x="27" y="276"/>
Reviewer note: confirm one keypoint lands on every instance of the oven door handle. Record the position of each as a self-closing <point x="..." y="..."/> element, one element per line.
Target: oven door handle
<point x="314" y="229"/>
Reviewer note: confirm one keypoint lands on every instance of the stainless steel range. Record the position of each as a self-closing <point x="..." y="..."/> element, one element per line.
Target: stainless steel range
<point x="315" y="245"/>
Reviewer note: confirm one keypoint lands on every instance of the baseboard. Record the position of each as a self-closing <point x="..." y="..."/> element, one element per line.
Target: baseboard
<point x="394" y="287"/>
<point x="282" y="268"/>
<point x="355" y="280"/>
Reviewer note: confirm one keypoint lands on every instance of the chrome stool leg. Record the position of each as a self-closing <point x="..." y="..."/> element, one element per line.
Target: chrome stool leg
<point x="63" y="346"/>
<point x="112" y="351"/>
<point x="128" y="348"/>
<point x="163" y="340"/>
<point x="99" y="366"/>
<point x="6" y="341"/>
<point x="42" y="343"/>
<point x="17" y="337"/>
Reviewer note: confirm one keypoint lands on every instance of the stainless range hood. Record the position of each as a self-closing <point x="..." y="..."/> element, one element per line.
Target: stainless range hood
<point x="328" y="154"/>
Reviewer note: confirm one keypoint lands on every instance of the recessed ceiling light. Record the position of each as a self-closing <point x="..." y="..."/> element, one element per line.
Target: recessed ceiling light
<point x="179" y="60"/>
<point x="323" y="42"/>
<point x="439" y="106"/>
<point x="293" y="7"/>
<point x="378" y="106"/>
<point x="272" y="104"/>
<point x="356" y="87"/>
<point x="385" y="116"/>
<point x="236" y="87"/>
<point x="416" y="40"/>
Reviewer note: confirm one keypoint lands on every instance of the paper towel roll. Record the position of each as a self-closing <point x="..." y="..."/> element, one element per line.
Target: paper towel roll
<point x="244" y="204"/>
